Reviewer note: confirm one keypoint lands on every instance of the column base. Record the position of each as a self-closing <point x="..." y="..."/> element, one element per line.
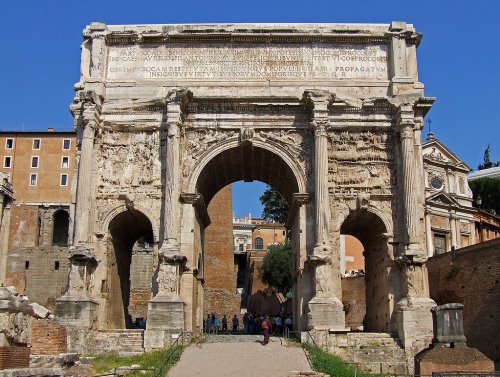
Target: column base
<point x="77" y="311"/>
<point x="414" y="322"/>
<point x="165" y="319"/>
<point x="78" y="314"/>
<point x="325" y="314"/>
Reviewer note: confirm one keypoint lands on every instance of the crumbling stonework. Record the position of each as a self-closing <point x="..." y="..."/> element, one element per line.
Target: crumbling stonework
<point x="48" y="338"/>
<point x="354" y="300"/>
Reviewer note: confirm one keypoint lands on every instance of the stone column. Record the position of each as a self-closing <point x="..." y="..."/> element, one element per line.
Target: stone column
<point x="414" y="321"/>
<point x="166" y="309"/>
<point x="325" y="308"/>
<point x="76" y="307"/>
<point x="428" y="233"/>
<point x="86" y="109"/>
<point x="453" y="230"/>
<point x="409" y="189"/>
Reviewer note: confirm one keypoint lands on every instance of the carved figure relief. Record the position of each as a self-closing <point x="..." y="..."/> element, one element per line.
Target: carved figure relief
<point x="297" y="144"/>
<point x="199" y="141"/>
<point x="360" y="146"/>
<point x="167" y="278"/>
<point x="436" y="155"/>
<point x="129" y="159"/>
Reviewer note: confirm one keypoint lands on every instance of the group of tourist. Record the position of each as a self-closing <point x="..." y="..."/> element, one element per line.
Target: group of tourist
<point x="253" y="323"/>
<point x="213" y="324"/>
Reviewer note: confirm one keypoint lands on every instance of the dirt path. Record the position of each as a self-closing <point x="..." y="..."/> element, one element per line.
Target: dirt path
<point x="242" y="359"/>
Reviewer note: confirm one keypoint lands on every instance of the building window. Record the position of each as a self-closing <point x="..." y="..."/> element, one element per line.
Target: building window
<point x="437" y="183"/>
<point x="66" y="144"/>
<point x="7" y="162"/>
<point x="56" y="265"/>
<point x="27" y="265"/>
<point x="64" y="179"/>
<point x="9" y="143"/>
<point x="34" y="161"/>
<point x="259" y="243"/>
<point x="61" y="228"/>
<point x="241" y="247"/>
<point x="65" y="162"/>
<point x="33" y="179"/>
<point x="439" y="243"/>
<point x="36" y="144"/>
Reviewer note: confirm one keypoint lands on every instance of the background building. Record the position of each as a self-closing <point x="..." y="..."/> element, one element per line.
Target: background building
<point x="40" y="166"/>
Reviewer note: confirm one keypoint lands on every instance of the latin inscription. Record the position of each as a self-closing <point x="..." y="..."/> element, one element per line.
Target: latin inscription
<point x="247" y="62"/>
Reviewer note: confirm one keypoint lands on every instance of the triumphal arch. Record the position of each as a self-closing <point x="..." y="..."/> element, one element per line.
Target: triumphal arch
<point x="167" y="115"/>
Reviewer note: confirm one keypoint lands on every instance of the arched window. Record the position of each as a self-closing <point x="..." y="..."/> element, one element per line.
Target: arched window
<point x="259" y="243"/>
<point x="61" y="228"/>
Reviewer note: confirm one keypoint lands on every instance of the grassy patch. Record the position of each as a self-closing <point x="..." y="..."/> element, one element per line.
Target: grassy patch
<point x="152" y="360"/>
<point x="332" y="365"/>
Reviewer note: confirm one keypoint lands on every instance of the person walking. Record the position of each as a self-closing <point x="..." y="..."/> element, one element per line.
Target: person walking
<point x="224" y="323"/>
<point x="246" y="323"/>
<point x="217" y="325"/>
<point x="266" y="327"/>
<point x="236" y="323"/>
<point x="208" y="324"/>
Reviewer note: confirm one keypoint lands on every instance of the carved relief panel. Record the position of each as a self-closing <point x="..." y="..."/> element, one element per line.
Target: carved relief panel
<point x="129" y="160"/>
<point x="360" y="161"/>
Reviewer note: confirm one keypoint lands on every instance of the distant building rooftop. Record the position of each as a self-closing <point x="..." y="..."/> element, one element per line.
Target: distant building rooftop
<point x="32" y="131"/>
<point x="485" y="173"/>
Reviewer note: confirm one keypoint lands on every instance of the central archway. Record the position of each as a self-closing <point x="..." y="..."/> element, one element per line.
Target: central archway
<point x="248" y="162"/>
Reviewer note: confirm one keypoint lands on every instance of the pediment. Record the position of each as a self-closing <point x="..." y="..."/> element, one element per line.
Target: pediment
<point x="435" y="151"/>
<point x="442" y="198"/>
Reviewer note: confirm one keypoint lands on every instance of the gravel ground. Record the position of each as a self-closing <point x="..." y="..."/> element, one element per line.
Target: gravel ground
<point x="242" y="359"/>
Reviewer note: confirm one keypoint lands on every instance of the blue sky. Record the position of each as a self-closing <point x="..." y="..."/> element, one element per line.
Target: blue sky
<point x="459" y="57"/>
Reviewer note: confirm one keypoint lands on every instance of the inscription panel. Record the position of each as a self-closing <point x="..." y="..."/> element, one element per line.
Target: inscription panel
<point x="183" y="61"/>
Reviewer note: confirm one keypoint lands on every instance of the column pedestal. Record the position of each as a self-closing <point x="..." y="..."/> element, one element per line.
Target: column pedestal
<point x="325" y="314"/>
<point x="166" y="309"/>
<point x="165" y="318"/>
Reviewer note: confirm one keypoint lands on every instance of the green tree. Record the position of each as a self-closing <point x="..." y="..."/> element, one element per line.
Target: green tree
<point x="275" y="205"/>
<point x="489" y="191"/>
<point x="276" y="268"/>
<point x="487" y="163"/>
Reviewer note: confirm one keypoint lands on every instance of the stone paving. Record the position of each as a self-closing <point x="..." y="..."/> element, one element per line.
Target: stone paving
<point x="243" y="356"/>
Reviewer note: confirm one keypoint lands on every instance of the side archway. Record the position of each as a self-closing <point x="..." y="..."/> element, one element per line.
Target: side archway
<point x="127" y="231"/>
<point x="371" y="231"/>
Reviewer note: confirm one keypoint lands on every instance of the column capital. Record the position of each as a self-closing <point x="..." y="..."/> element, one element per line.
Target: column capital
<point x="319" y="127"/>
<point x="318" y="101"/>
<point x="405" y="115"/>
<point x="197" y="201"/>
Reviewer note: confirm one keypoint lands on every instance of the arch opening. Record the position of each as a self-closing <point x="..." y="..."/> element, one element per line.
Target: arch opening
<point x="130" y="248"/>
<point x="246" y="163"/>
<point x="365" y="291"/>
<point x="243" y="163"/>
<point x="60" y="232"/>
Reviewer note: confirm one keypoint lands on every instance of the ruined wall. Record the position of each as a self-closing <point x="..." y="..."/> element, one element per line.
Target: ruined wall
<point x="141" y="272"/>
<point x="219" y="256"/>
<point x="475" y="269"/>
<point x="14" y="357"/>
<point x="39" y="273"/>
<point x="354" y="300"/>
<point x="24" y="226"/>
<point x="48" y="338"/>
